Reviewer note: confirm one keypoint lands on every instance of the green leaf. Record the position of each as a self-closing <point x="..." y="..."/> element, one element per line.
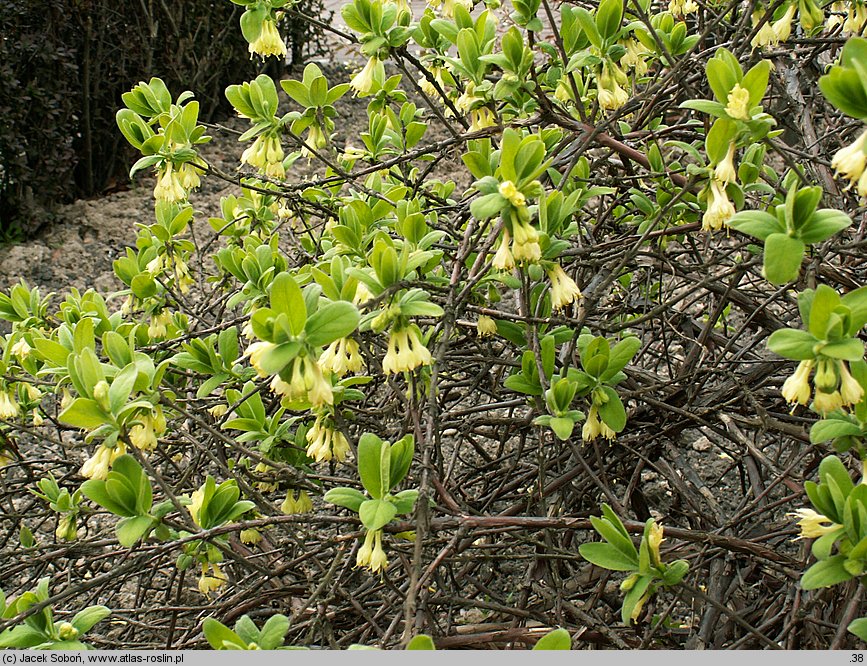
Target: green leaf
<point x="86" y="619"/>
<point x="827" y="429"/>
<point x="331" y="322"/>
<point x="826" y="573"/>
<point x="783" y="257"/>
<point x="850" y="349"/>
<point x="401" y="452"/>
<point x="376" y="514"/>
<point x="612" y="411"/>
<point x="286" y="298"/>
<point x="220" y="636"/>
<point x="421" y="642"/>
<point x="859" y="628"/>
<point x="348" y="498"/>
<point x="369" y="454"/>
<point x="559" y="639"/>
<point x="84" y="413"/>
<point x="792" y="343"/>
<point x="130" y="530"/>
<point x="606" y="556"/>
<point x="756" y="223"/>
<point x="634" y="597"/>
<point x="562" y="427"/>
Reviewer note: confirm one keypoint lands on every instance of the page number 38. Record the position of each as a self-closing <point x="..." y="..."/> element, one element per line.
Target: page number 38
<point x="857" y="658"/>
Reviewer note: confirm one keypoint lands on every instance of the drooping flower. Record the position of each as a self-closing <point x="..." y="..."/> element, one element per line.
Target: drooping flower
<point x="269" y="42"/>
<point x="8" y="405"/>
<point x="563" y="288"/>
<point x="212" y="582"/>
<point x="525" y="246"/>
<point x="725" y="171"/>
<point x="635" y="57"/>
<point x="406" y="351"/>
<point x="168" y="187"/>
<point x="682" y="7"/>
<point x="21" y="349"/>
<point x="266" y="154"/>
<point x="512" y="194"/>
<point x="326" y="442"/>
<point x="782" y="27"/>
<point x="144" y="435"/>
<point x="67" y="529"/>
<point x="797" y="389"/>
<point x="825" y="402"/>
<point x="850" y="162"/>
<point x="371" y="553"/>
<point x="251" y="536"/>
<point x="481" y="117"/>
<point x="341" y="357"/>
<point x="97" y="466"/>
<point x="292" y="506"/>
<point x="765" y="35"/>
<point x="654" y="541"/>
<point x="265" y="486"/>
<point x="255" y="351"/>
<point x="189" y="176"/>
<point x="364" y="82"/>
<point x="158" y="323"/>
<point x="485" y="326"/>
<point x="195" y="505"/>
<point x="719" y="209"/>
<point x="503" y="259"/>
<point x="850" y="390"/>
<point x="738" y="103"/>
<point x="594" y="426"/>
<point x="813" y="524"/>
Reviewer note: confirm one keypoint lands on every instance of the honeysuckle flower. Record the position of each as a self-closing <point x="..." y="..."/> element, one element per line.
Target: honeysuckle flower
<point x="8" y="406"/>
<point x="251" y="536"/>
<point x="265" y="486"/>
<point x="269" y="42"/>
<point x="406" y="351"/>
<point x="563" y="93"/>
<point x="32" y="392"/>
<point x="610" y="95"/>
<point x="188" y="176"/>
<point x="765" y="35"/>
<point x="682" y="7"/>
<point x="512" y="194"/>
<point x="21" y="349"/>
<point x="485" y="326"/>
<point x="341" y="357"/>
<point x="67" y="631"/>
<point x="218" y="411"/>
<point x="364" y="82"/>
<point x="857" y="17"/>
<point x="65" y="399"/>
<point x="371" y="553"/>
<point x="255" y="352"/>
<point x="738" y="103"/>
<point x="292" y="506"/>
<point x="850" y="161"/>
<point x="97" y="466"/>
<point x="481" y="117"/>
<point x="825" y="402"/>
<point x="850" y="390"/>
<point x="447" y="7"/>
<point x="725" y="171"/>
<point x="563" y="288"/>
<point x="212" y="582"/>
<point x="195" y="505"/>
<point x="654" y="540"/>
<point x="316" y="140"/>
<point x="145" y="435"/>
<point x="782" y="27"/>
<point x="157" y="327"/>
<point x="813" y="524"/>
<point x="266" y="154"/>
<point x="635" y="56"/>
<point x="503" y="259"/>
<point x="594" y="426"/>
<point x="100" y="394"/>
<point x="326" y="442"/>
<point x="525" y="246"/>
<point x="797" y="389"/>
<point x="362" y="294"/>
<point x="826" y="375"/>
<point x="36" y="418"/>
<point x="168" y="187"/>
<point x="810" y="15"/>
<point x="719" y="209"/>
<point x="67" y="529"/>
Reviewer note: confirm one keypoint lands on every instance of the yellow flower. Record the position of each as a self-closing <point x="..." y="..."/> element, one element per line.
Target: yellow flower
<point x="406" y="351"/>
<point x="157" y="328"/>
<point x="825" y="402"/>
<point x="503" y="259"/>
<point x="796" y="389"/>
<point x="268" y="42"/>
<point x="97" y="466"/>
<point x="485" y="326"/>
<point x="635" y="57"/>
<point x="362" y="558"/>
<point x="363" y="83"/>
<point x="67" y="530"/>
<point x="250" y="536"/>
<point x="265" y="486"/>
<point x="725" y="170"/>
<point x="319" y="391"/>
<point x="189" y="176"/>
<point x="719" y="209"/>
<point x="481" y="117"/>
<point x="594" y="426"/>
<point x="371" y="553"/>
<point x="168" y="187"/>
<point x="611" y="99"/>
<point x="850" y="161"/>
<point x="856" y="19"/>
<point x="218" y="411"/>
<point x="738" y="105"/>
<point x="813" y="524"/>
<point x="195" y="505"/>
<point x="654" y="540"/>
<point x="511" y="193"/>
<point x="341" y="357"/>
<point x="255" y="351"/>
<point x="682" y="7"/>
<point x="37" y="418"/>
<point x="325" y="442"/>
<point x="213" y="582"/>
<point x="8" y="406"/>
<point x="850" y="390"/>
<point x="65" y="398"/>
<point x="563" y="288"/>
<point x="21" y="349"/>
<point x="765" y="36"/>
<point x="67" y="631"/>
<point x="525" y="246"/>
<point x="144" y="435"/>
<point x="782" y="27"/>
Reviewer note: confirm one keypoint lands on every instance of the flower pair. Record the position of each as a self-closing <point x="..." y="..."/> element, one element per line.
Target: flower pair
<point x="406" y="351"/>
<point x="594" y="426"/>
<point x="150" y="426"/>
<point x="371" y="554"/>
<point x="269" y="42"/>
<point x="266" y="154"/>
<point x="341" y="357"/>
<point x="835" y="385"/>
<point x="850" y="162"/>
<point x="98" y="464"/>
<point x="325" y="441"/>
